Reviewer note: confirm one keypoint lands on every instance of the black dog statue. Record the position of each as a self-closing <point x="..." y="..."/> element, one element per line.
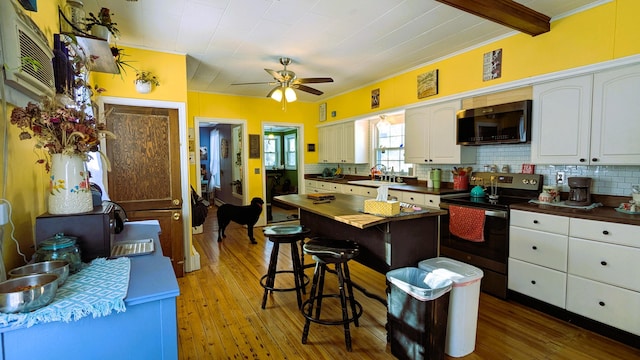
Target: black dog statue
<point x="243" y="215"/>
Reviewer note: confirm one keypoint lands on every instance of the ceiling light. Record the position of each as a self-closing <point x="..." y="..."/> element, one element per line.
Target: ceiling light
<point x="277" y="95"/>
<point x="290" y="95"/>
<point x="383" y="125"/>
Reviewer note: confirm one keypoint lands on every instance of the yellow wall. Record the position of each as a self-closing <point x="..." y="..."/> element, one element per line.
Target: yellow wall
<point x="603" y="33"/>
<point x="254" y="111"/>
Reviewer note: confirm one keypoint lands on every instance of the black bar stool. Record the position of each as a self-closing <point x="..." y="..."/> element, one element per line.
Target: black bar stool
<point x="285" y="234"/>
<point x="338" y="252"/>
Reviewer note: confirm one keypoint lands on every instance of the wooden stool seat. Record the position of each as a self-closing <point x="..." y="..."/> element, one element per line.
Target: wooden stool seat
<point x="338" y="252"/>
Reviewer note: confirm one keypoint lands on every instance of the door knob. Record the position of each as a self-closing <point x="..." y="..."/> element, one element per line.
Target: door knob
<point x="176" y="201"/>
<point x="176" y="216"/>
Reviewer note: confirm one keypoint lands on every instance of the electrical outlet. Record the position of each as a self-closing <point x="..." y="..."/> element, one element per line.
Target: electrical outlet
<point x="560" y="177"/>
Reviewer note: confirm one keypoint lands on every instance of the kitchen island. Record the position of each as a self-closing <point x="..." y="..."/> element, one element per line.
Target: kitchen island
<point x="146" y="330"/>
<point x="386" y="243"/>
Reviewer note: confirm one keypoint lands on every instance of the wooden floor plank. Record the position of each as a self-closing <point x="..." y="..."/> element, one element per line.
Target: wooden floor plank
<point x="219" y="314"/>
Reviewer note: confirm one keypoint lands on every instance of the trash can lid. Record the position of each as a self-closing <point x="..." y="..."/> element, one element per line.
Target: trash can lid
<point x="459" y="272"/>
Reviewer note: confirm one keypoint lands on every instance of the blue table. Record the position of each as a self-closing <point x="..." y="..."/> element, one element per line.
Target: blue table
<point x="146" y="330"/>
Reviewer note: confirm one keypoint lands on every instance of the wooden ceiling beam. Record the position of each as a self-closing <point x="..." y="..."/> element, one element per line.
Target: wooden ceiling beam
<point x="505" y="12"/>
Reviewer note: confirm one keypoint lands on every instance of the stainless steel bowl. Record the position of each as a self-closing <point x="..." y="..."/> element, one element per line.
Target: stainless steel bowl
<point x="27" y="293"/>
<point x="58" y="267"/>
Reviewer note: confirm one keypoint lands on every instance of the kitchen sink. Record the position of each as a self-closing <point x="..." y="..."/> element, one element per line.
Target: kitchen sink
<point x="376" y="183"/>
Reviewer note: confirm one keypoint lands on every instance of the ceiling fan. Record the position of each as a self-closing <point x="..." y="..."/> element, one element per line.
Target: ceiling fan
<point x="286" y="81"/>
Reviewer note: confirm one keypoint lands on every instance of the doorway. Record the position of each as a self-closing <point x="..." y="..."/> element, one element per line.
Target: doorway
<point x="220" y="152"/>
<point x="283" y="168"/>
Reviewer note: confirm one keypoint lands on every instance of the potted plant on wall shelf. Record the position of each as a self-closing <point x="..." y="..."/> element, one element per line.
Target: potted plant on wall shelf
<point x="145" y="80"/>
<point x="101" y="26"/>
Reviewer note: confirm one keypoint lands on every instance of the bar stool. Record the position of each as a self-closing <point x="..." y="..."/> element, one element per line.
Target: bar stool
<point x="338" y="252"/>
<point x="285" y="234"/>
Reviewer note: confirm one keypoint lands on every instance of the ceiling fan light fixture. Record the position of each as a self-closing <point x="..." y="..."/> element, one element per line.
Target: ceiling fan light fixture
<point x="290" y="95"/>
<point x="277" y="95"/>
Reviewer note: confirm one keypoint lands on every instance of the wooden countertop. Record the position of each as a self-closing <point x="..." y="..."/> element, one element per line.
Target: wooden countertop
<point x="603" y="213"/>
<point x="347" y="209"/>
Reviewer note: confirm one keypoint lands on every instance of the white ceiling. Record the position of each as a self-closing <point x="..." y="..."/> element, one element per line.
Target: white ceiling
<point x="356" y="42"/>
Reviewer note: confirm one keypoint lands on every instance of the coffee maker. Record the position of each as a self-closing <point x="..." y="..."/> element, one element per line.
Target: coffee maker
<point x="579" y="191"/>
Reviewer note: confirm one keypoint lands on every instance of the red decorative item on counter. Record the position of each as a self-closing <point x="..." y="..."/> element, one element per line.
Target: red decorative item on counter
<point x="460" y="182"/>
<point x="528" y="168"/>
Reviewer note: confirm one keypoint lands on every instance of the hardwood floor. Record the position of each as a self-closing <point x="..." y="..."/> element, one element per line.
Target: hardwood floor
<point x="219" y="314"/>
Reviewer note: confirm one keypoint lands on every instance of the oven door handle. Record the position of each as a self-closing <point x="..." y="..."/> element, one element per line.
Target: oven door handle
<point x="491" y="213"/>
<point x="496" y="213"/>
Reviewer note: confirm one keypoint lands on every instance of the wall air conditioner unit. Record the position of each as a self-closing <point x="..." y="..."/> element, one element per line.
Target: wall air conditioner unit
<point x="21" y="42"/>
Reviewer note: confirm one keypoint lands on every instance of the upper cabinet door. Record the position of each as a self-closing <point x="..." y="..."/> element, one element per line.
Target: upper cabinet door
<point x="430" y="136"/>
<point x="416" y="125"/>
<point x="615" y="125"/>
<point x="562" y="121"/>
<point x="442" y="134"/>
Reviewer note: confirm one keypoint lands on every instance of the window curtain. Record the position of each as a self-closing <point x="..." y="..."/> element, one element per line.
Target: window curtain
<point x="214" y="159"/>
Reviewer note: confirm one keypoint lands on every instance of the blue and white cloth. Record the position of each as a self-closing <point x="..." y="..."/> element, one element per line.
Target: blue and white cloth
<point x="97" y="290"/>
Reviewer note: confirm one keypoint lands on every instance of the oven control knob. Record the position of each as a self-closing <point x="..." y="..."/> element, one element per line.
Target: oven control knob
<point x="525" y="181"/>
<point x="533" y="181"/>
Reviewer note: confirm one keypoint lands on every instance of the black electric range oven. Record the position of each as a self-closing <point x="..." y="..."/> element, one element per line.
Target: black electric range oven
<point x="491" y="254"/>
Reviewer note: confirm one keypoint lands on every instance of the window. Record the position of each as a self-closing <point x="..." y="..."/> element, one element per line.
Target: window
<point x="390" y="145"/>
<point x="272" y="151"/>
<point x="290" y="152"/>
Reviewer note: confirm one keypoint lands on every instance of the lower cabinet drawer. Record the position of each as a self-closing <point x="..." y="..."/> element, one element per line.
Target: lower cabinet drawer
<point x="613" y="264"/>
<point x="604" y="303"/>
<point x="538" y="282"/>
<point x="540" y="248"/>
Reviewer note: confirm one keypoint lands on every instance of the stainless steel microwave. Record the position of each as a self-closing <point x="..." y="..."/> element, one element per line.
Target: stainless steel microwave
<point x="508" y="123"/>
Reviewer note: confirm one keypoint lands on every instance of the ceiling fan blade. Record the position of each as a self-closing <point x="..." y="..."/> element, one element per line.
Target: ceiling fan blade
<point x="307" y="89"/>
<point x="313" y="80"/>
<point x="276" y="75"/>
<point x="256" y="83"/>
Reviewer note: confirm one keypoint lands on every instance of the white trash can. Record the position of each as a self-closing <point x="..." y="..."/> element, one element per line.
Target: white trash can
<point x="463" y="304"/>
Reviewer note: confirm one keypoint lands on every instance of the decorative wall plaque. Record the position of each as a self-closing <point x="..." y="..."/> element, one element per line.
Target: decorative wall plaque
<point x="428" y="84"/>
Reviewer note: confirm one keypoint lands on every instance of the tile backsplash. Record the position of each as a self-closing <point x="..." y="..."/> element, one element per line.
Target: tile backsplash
<point x="607" y="179"/>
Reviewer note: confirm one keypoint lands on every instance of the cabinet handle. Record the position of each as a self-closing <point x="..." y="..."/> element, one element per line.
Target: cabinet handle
<point x="176" y="216"/>
<point x="535" y="221"/>
<point x="603" y="263"/>
<point x="601" y="303"/>
<point x="430" y="201"/>
<point x="605" y="232"/>
<point x="583" y="160"/>
<point x="594" y="159"/>
<point x="533" y="282"/>
<point x="534" y="247"/>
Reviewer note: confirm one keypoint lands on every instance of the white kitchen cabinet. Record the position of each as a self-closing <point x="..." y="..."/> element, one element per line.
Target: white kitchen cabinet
<point x="538" y="246"/>
<point x="602" y="279"/>
<point x="589" y="119"/>
<point x="311" y="187"/>
<point x="605" y="303"/>
<point x="344" y="143"/>
<point x="430" y="136"/>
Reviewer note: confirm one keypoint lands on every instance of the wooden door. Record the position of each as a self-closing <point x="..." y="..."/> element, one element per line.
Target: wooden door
<point x="145" y="171"/>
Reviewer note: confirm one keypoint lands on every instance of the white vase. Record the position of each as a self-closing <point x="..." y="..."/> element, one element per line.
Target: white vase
<point x="69" y="190"/>
<point x="101" y="31"/>
<point x="143" y="87"/>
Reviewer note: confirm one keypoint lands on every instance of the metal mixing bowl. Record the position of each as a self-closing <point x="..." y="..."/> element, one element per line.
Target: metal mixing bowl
<point x="58" y="267"/>
<point x="27" y="293"/>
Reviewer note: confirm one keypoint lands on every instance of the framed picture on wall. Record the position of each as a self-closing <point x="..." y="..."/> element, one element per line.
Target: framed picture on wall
<point x="428" y="84"/>
<point x="375" y="98"/>
<point x="254" y="146"/>
<point x="204" y="153"/>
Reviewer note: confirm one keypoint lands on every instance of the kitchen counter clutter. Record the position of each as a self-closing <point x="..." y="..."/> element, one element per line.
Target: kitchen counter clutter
<point x="146" y="328"/>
